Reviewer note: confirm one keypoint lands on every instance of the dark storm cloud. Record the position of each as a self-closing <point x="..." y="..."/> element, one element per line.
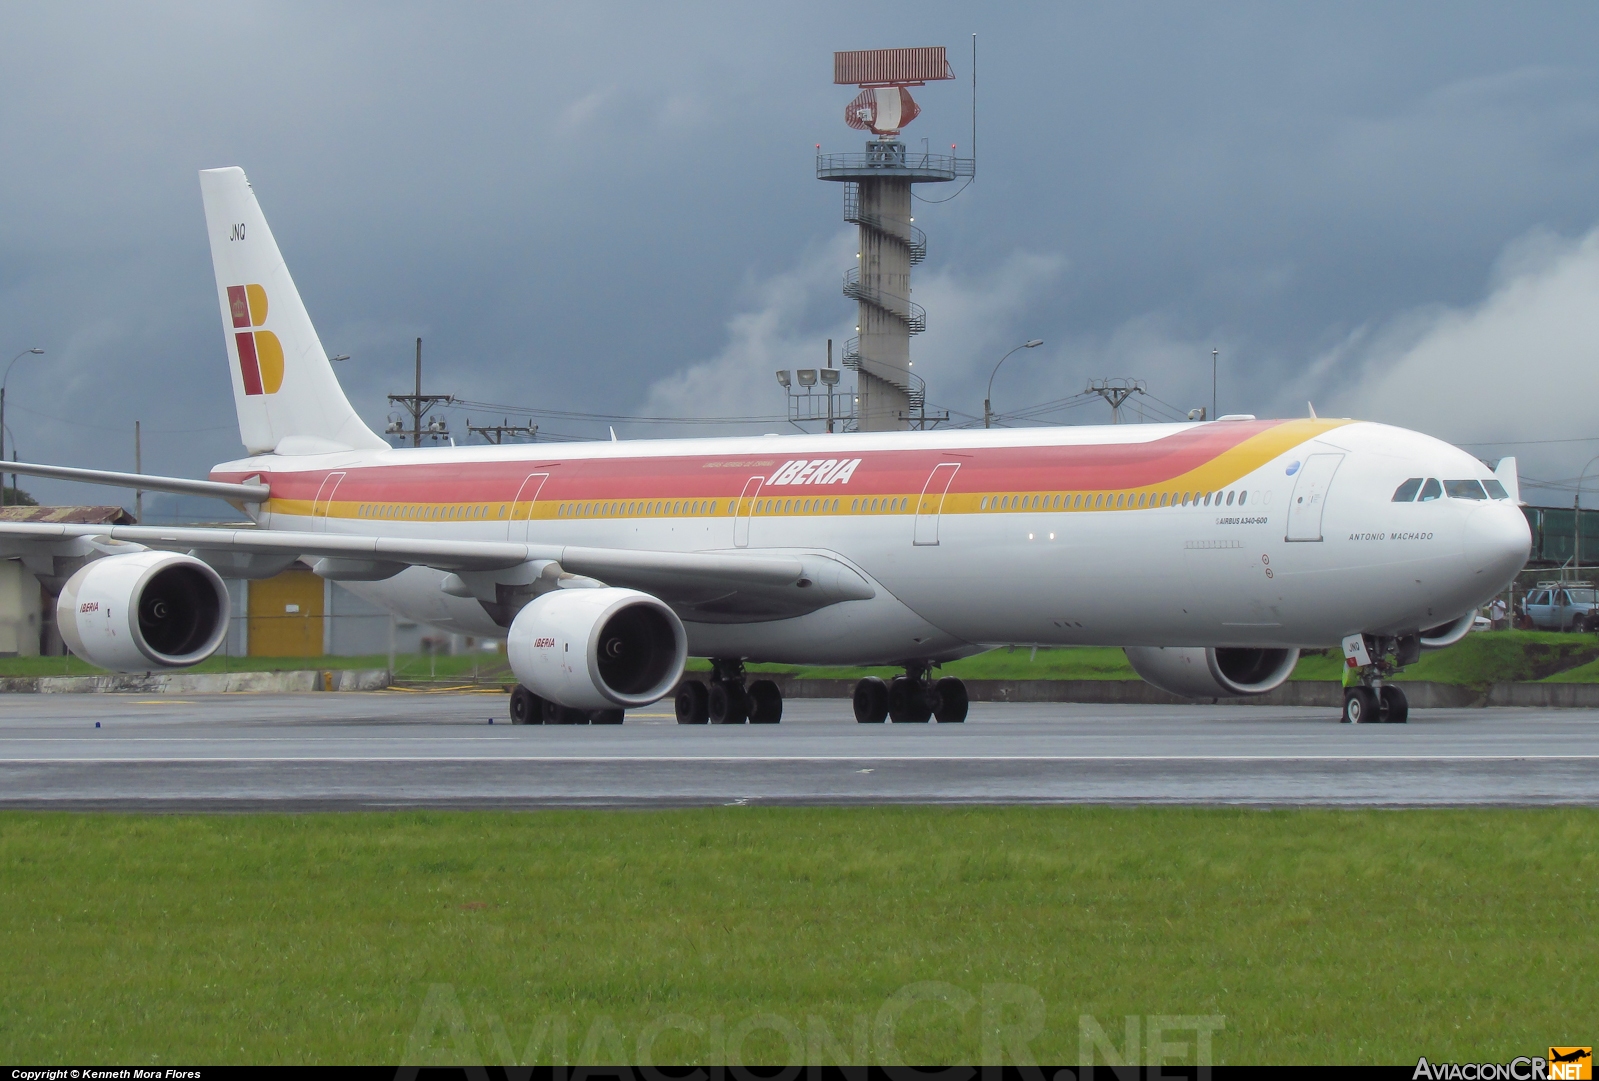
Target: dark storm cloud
<point x="611" y="208"/>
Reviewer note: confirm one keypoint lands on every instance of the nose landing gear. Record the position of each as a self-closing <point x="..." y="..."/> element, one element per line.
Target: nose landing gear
<point x="1367" y="698"/>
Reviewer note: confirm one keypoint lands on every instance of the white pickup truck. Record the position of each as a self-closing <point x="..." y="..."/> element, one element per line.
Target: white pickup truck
<point x="1563" y="606"/>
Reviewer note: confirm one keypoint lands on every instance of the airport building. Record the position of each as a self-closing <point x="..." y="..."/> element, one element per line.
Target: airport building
<point x="294" y="614"/>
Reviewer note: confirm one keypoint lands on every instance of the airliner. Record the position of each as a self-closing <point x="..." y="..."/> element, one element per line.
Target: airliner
<point x="1212" y="552"/>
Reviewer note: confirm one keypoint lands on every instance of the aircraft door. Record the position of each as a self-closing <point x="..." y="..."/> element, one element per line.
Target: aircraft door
<point x="516" y="529"/>
<point x="1309" y="499"/>
<point x="322" y="505"/>
<point x="931" y="504"/>
<point x="745" y="510"/>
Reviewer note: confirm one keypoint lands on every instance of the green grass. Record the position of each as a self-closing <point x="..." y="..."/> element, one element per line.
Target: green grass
<point x="1499" y="656"/>
<point x="1321" y="936"/>
<point x="1480" y="659"/>
<point x="1493" y="657"/>
<point x="1080" y="662"/>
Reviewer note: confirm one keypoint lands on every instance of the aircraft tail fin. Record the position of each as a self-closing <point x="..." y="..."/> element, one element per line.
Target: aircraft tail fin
<point x="284" y="388"/>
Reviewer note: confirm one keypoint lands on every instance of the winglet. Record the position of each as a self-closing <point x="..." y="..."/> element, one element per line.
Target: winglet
<point x="1312" y="410"/>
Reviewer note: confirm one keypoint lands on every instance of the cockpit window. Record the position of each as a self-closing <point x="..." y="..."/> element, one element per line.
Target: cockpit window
<point x="1406" y="492"/>
<point x="1495" y="490"/>
<point x="1465" y="489"/>
<point x="1431" y="490"/>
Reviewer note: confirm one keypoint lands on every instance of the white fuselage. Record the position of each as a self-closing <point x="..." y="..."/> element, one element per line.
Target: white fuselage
<point x="1263" y="534"/>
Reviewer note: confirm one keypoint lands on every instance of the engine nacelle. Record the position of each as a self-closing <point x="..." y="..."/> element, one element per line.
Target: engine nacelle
<point x="1221" y="672"/>
<point x="597" y="648"/>
<point x="143" y="610"/>
<point x="1447" y="634"/>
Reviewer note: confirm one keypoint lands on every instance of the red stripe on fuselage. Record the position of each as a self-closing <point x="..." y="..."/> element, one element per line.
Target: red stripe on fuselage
<point x="1099" y="466"/>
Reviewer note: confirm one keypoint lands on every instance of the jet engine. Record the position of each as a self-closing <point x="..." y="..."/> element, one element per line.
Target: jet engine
<point x="1447" y="634"/>
<point x="143" y="610"/>
<point x="1221" y="672"/>
<point x="597" y="648"/>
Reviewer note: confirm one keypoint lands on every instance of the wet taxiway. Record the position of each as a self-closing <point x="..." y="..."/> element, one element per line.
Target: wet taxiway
<point x="392" y="749"/>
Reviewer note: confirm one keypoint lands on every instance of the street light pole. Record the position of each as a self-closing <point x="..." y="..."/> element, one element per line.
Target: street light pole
<point x="3" y="382"/>
<point x="988" y="412"/>
<point x="1214" y="354"/>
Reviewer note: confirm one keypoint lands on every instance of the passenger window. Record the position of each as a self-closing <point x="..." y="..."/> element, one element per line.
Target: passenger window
<point x="1242" y="496"/>
<point x="1229" y="499"/>
<point x="1430" y="491"/>
<point x="1464" y="489"/>
<point x="1406" y="492"/>
<point x="1495" y="490"/>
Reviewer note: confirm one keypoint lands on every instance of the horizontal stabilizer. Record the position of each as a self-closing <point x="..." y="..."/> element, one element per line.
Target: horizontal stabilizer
<point x="240" y="493"/>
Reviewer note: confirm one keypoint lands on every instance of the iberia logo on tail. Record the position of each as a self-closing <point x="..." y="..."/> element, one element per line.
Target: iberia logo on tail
<point x="260" y="352"/>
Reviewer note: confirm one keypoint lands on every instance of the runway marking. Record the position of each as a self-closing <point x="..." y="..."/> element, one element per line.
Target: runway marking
<point x="102" y="740"/>
<point x="769" y="759"/>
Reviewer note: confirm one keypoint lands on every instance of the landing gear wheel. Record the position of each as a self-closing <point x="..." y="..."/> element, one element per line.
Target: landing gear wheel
<point x="907" y="701"/>
<point x="526" y="707"/>
<point x="690" y="703"/>
<point x="726" y="703"/>
<point x="1393" y="705"/>
<point x="871" y="701"/>
<point x="555" y="713"/>
<point x="766" y="702"/>
<point x="1360" y="705"/>
<point x="950" y="700"/>
<point x="606" y="716"/>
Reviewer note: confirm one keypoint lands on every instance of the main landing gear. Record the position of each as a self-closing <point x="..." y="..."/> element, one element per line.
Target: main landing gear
<point x="1371" y="700"/>
<point x="529" y="708"/>
<point x="726" y="699"/>
<point x="913" y="698"/>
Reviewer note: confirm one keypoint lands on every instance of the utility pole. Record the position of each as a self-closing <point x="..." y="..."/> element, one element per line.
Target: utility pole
<point x="496" y="433"/>
<point x="830" y="389"/>
<point x="138" y="467"/>
<point x="416" y="404"/>
<point x="1115" y="392"/>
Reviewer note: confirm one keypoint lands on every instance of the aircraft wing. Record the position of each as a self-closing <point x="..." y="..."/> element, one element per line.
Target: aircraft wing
<point x="716" y="586"/>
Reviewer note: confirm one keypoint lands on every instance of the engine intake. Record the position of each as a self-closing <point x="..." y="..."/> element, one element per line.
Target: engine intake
<point x="1217" y="672"/>
<point x="143" y="610"/>
<point x="597" y="648"/>
<point x="1447" y="634"/>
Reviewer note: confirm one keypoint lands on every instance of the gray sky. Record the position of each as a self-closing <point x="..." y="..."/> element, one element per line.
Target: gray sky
<point x="606" y="208"/>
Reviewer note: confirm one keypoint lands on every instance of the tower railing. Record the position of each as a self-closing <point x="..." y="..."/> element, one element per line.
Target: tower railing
<point x="912" y="313"/>
<point x="914" y="386"/>
<point x="902" y="231"/>
<point x="885" y="162"/>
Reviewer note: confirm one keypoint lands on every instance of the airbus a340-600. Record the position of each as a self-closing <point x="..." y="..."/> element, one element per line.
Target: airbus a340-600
<point x="1213" y="552"/>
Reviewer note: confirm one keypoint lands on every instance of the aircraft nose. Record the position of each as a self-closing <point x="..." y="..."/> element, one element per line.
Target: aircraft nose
<point x="1497" y="542"/>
